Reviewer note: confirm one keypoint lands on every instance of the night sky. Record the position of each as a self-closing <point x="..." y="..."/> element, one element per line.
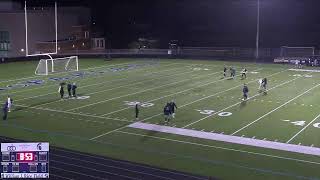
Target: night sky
<point x="206" y="22"/>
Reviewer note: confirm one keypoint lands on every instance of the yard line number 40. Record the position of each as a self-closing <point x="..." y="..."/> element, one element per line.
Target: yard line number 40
<point x="302" y="123"/>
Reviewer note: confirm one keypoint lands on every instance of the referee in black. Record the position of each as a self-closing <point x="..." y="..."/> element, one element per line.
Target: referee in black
<point x="137" y="111"/>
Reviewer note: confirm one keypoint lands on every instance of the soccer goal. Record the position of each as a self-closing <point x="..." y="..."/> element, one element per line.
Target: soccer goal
<point x="287" y="51"/>
<point x="57" y="65"/>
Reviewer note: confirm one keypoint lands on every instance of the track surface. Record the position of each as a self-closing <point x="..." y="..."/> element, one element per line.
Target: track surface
<point x="67" y="164"/>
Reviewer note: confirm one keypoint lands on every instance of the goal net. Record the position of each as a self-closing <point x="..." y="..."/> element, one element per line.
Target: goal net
<point x="57" y="65"/>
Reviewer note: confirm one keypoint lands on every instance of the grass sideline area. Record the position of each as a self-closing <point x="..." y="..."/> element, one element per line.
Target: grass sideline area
<point x="98" y="122"/>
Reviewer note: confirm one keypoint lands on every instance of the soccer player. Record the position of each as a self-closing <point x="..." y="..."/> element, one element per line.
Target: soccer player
<point x="69" y="87"/>
<point x="5" y="111"/>
<point x="74" y="87"/>
<point x="166" y="112"/>
<point x="9" y="102"/>
<point x="245" y="91"/>
<point x="260" y="84"/>
<point x="224" y="71"/>
<point x="232" y="72"/>
<point x="137" y="111"/>
<point x="61" y="90"/>
<point x="264" y="84"/>
<point x="244" y="73"/>
<point x="173" y="106"/>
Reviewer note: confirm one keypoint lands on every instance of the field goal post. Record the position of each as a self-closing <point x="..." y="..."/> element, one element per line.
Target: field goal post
<point x="45" y="66"/>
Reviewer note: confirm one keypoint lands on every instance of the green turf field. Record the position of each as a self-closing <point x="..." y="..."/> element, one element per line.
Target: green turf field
<point x="97" y="123"/>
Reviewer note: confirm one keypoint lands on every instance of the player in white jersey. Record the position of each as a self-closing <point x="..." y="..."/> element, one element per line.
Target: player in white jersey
<point x="9" y="101"/>
<point x="260" y="84"/>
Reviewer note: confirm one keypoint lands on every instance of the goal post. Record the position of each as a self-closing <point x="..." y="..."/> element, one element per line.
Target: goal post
<point x="57" y="65"/>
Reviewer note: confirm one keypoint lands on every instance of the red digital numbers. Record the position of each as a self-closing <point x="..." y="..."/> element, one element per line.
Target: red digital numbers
<point x="25" y="156"/>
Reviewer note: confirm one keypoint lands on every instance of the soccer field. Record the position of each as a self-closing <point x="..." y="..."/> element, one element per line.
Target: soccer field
<point x="214" y="133"/>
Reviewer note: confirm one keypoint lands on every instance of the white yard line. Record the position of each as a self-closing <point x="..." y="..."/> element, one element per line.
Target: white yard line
<point x="303" y="129"/>
<point x="73" y="113"/>
<point x="219" y="147"/>
<point x="286" y="82"/>
<point x="275" y="109"/>
<point x="105" y="82"/>
<point x="99" y="102"/>
<point x="122" y="127"/>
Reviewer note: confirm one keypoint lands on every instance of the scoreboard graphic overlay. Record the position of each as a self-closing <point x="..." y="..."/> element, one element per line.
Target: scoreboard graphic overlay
<point x="25" y="160"/>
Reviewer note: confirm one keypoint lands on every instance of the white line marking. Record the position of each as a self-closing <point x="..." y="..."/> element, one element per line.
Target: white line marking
<point x="303" y="129"/>
<point x="237" y="103"/>
<point x="223" y="148"/>
<point x="275" y="109"/>
<point x="180" y="107"/>
<point x="286" y="120"/>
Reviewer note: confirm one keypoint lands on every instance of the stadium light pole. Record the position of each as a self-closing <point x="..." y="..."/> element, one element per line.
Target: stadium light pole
<point x="258" y="29"/>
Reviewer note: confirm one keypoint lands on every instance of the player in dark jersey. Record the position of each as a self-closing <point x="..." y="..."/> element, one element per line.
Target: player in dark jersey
<point x="69" y="87"/>
<point x="232" y="72"/>
<point x="137" y="111"/>
<point x="264" y="84"/>
<point x="245" y="91"/>
<point x="224" y="72"/>
<point x="244" y="73"/>
<point x="74" y="87"/>
<point x="166" y="112"/>
<point x="61" y="90"/>
<point x="173" y="106"/>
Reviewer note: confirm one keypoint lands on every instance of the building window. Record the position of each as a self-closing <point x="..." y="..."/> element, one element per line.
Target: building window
<point x="97" y="43"/>
<point x="86" y="34"/>
<point x="101" y="43"/>
<point x="4" y="41"/>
